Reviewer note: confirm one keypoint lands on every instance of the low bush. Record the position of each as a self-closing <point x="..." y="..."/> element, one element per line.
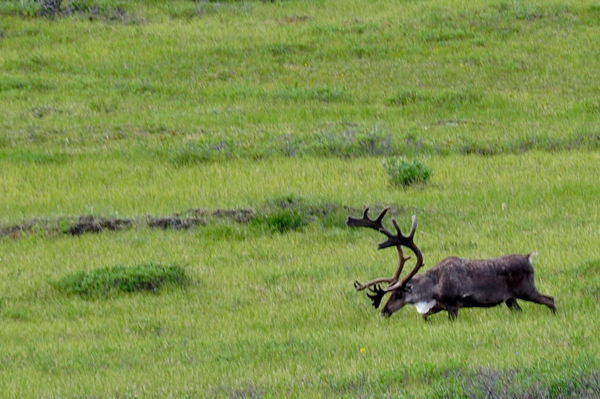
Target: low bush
<point x="283" y="214"/>
<point x="108" y="281"/>
<point x="402" y="172"/>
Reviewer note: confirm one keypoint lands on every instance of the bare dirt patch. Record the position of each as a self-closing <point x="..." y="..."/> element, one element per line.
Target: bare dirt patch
<point x="76" y="226"/>
<point x="285" y="213"/>
<point x="175" y="223"/>
<point x="90" y="224"/>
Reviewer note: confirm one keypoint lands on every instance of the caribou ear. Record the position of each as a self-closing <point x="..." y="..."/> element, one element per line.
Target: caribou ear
<point x="408" y="287"/>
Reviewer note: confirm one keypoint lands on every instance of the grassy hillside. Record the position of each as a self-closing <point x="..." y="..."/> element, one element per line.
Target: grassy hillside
<point x="258" y="78"/>
<point x="228" y="141"/>
<point x="275" y="314"/>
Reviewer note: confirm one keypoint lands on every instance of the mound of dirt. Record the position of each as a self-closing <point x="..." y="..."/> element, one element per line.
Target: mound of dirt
<point x="331" y="214"/>
<point x="175" y="223"/>
<point x="91" y="224"/>
<point x="239" y="215"/>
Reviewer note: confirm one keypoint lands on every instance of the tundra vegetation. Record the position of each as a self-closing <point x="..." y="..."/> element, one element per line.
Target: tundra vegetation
<point x="217" y="147"/>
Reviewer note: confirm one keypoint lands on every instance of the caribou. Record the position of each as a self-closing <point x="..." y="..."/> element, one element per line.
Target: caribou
<point x="453" y="283"/>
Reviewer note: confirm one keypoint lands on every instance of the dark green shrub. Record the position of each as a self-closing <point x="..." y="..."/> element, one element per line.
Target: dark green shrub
<point x="402" y="172"/>
<point x="108" y="281"/>
<point x="283" y="214"/>
<point x="282" y="220"/>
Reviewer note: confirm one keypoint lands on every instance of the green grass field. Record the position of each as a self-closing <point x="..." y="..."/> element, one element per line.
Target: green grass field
<point x="231" y="139"/>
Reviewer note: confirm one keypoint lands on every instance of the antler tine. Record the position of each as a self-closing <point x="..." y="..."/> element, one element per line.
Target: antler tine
<point x="359" y="286"/>
<point x="376" y="296"/>
<point x="399" y="239"/>
<point x="401" y="261"/>
<point x="413" y="228"/>
<point x="366" y="222"/>
<point x="382" y="214"/>
<point x="365" y="214"/>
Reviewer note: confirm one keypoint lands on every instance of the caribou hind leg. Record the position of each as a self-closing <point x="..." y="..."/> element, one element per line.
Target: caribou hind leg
<point x="538" y="297"/>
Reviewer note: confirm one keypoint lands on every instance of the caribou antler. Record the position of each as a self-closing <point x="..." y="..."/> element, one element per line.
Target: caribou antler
<point x="377" y="295"/>
<point x="407" y="241"/>
<point x="397" y="240"/>
<point x="390" y="280"/>
<point x="366" y="222"/>
<point x="375" y="224"/>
